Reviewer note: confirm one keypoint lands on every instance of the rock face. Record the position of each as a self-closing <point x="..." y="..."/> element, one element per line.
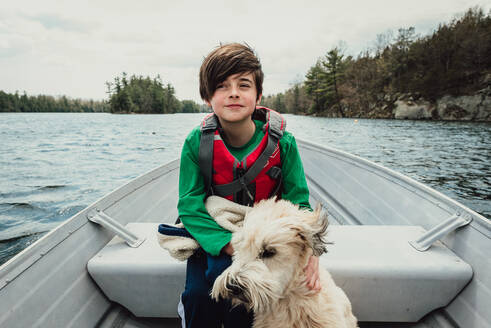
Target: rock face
<point x="473" y="107"/>
<point x="412" y="110"/>
<point x="476" y="107"/>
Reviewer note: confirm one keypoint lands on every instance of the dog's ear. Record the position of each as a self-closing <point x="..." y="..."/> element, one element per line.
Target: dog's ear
<point x="318" y="223"/>
<point x="319" y="232"/>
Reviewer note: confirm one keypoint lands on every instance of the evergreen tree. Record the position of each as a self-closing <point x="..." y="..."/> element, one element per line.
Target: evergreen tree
<point x="142" y="95"/>
<point x="332" y="76"/>
<point x="189" y="106"/>
<point x="296" y="98"/>
<point x="315" y="86"/>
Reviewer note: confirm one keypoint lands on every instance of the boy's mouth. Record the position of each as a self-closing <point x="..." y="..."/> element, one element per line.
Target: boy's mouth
<point x="234" y="106"/>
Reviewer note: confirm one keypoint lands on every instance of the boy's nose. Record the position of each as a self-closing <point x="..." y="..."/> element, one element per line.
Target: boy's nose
<point x="234" y="92"/>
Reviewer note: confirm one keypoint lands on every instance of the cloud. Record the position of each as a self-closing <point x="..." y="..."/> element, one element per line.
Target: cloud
<point x="54" y="21"/>
<point x="73" y="47"/>
<point x="12" y="48"/>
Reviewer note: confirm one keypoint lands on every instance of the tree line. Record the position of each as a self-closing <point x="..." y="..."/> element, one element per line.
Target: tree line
<point x="136" y="94"/>
<point x="144" y="95"/>
<point x="42" y="103"/>
<point x="455" y="60"/>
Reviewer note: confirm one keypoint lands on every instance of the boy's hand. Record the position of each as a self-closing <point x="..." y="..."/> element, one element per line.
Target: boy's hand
<point x="312" y="274"/>
<point x="228" y="249"/>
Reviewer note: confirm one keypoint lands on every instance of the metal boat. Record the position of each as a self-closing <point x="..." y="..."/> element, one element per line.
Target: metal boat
<point x="406" y="255"/>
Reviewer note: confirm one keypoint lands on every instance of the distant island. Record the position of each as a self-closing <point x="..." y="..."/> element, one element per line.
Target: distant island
<point x="145" y="95"/>
<point x="134" y="95"/>
<point x="442" y="76"/>
<point x="127" y="95"/>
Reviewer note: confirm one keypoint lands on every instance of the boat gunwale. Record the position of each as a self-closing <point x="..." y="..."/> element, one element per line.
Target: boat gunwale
<point x="451" y="205"/>
<point x="22" y="261"/>
<point x="28" y="257"/>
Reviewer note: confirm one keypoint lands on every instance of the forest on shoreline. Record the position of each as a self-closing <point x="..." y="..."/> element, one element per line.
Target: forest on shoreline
<point x="127" y="95"/>
<point x="42" y="103"/>
<point x="454" y="60"/>
<point x="136" y="95"/>
<point x="144" y="95"/>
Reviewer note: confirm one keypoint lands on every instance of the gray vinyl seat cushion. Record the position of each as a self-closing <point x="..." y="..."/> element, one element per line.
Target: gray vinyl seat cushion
<point x="386" y="279"/>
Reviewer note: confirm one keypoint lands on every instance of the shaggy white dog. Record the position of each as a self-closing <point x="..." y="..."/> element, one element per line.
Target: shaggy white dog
<point x="270" y="253"/>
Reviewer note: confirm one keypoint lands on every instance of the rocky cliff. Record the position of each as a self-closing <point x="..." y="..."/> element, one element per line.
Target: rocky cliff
<point x="476" y="107"/>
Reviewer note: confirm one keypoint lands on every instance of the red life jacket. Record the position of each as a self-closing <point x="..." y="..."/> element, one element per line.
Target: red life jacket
<point x="257" y="176"/>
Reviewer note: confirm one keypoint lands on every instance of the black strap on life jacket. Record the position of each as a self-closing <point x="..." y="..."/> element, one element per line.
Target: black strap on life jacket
<point x="206" y="149"/>
<point x="276" y="127"/>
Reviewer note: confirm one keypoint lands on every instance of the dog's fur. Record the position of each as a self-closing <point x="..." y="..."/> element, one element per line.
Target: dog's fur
<point x="270" y="253"/>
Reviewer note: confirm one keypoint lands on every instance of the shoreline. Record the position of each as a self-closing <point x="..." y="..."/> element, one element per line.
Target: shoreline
<point x="319" y="115"/>
<point x="467" y="108"/>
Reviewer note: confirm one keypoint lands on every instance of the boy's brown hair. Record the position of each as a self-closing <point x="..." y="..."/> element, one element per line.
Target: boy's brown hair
<point x="226" y="60"/>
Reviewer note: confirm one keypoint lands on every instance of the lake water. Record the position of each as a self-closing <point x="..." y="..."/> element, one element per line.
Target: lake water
<point x="55" y="164"/>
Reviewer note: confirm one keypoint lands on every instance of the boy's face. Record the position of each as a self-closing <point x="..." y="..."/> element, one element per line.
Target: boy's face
<point x="234" y="99"/>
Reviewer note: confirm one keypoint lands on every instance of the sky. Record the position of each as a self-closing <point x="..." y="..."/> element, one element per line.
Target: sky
<point x="73" y="47"/>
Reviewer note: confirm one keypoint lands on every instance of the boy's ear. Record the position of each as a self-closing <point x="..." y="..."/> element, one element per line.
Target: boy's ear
<point x="259" y="99"/>
<point x="208" y="103"/>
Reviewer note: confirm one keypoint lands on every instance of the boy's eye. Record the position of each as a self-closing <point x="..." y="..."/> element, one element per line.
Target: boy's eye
<point x="244" y="85"/>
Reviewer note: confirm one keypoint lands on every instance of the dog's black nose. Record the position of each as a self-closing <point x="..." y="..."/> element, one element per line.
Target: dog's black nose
<point x="234" y="288"/>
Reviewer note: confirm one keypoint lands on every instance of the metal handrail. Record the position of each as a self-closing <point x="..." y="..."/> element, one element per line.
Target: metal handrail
<point x="99" y="217"/>
<point x="439" y="231"/>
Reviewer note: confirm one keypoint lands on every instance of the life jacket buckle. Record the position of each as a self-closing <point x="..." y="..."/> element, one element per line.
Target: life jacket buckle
<point x="244" y="186"/>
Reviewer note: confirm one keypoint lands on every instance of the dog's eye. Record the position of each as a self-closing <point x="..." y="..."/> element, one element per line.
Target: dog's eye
<point x="267" y="253"/>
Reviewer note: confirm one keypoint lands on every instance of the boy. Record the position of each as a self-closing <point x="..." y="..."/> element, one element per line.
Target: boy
<point x="218" y="158"/>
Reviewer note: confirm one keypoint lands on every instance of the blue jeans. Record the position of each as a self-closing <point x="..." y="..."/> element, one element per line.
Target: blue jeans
<point x="200" y="311"/>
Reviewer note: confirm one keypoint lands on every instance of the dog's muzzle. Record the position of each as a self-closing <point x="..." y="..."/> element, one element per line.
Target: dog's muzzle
<point x="234" y="288"/>
<point x="236" y="291"/>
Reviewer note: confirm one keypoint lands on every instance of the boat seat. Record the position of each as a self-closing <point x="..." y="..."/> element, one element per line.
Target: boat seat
<point x="385" y="278"/>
